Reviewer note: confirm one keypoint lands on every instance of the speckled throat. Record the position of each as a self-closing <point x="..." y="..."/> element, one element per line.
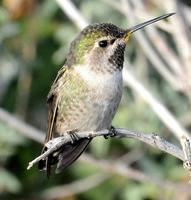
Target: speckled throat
<point x="117" y="58"/>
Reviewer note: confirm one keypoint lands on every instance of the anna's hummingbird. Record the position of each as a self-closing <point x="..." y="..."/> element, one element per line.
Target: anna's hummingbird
<point x="88" y="88"/>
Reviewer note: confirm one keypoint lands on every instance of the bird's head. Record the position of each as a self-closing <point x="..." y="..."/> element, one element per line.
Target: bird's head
<point x="101" y="46"/>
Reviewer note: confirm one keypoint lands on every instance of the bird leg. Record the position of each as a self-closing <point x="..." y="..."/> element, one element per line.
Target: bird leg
<point x="73" y="135"/>
<point x="112" y="132"/>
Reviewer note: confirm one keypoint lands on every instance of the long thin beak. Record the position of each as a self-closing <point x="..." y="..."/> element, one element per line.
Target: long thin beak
<point x="142" y="25"/>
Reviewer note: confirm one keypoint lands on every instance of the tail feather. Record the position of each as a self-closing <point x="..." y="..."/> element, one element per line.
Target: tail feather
<point x="68" y="156"/>
<point x="64" y="157"/>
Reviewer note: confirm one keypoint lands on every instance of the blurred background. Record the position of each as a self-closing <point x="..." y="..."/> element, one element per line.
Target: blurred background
<point x="34" y="40"/>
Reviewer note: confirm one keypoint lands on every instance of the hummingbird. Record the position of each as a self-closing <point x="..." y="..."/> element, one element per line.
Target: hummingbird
<point x="87" y="89"/>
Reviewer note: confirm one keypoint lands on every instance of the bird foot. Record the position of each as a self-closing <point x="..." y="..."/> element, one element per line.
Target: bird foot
<point x="73" y="135"/>
<point x="112" y="132"/>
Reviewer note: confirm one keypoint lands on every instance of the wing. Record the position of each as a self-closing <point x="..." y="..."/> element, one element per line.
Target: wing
<point x="52" y="101"/>
<point x="69" y="153"/>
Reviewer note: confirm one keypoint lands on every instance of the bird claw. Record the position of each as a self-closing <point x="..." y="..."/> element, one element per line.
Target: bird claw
<point x="105" y="136"/>
<point x="112" y="133"/>
<point x="74" y="137"/>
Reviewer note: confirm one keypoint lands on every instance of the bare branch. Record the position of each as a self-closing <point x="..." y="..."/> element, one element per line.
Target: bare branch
<point x="186" y="146"/>
<point x="151" y="139"/>
<point x="35" y="134"/>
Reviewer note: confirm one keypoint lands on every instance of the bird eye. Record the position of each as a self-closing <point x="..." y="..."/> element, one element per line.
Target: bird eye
<point x="103" y="43"/>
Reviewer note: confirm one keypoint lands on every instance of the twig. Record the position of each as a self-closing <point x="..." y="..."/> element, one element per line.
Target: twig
<point x="58" y="142"/>
<point x="151" y="139"/>
<point x="37" y="135"/>
<point x="186" y="146"/>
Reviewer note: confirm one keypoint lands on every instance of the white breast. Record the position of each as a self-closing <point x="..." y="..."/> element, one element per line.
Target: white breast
<point x="105" y="83"/>
<point x="104" y="98"/>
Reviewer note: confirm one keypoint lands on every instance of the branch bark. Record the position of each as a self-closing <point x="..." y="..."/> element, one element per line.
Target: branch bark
<point x="151" y="139"/>
<point x="38" y="136"/>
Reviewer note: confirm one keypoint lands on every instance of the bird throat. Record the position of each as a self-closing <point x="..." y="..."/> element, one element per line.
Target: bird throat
<point x="95" y="76"/>
<point x="117" y="58"/>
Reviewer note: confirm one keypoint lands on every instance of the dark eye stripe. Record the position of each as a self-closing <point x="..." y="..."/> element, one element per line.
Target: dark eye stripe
<point x="103" y="43"/>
